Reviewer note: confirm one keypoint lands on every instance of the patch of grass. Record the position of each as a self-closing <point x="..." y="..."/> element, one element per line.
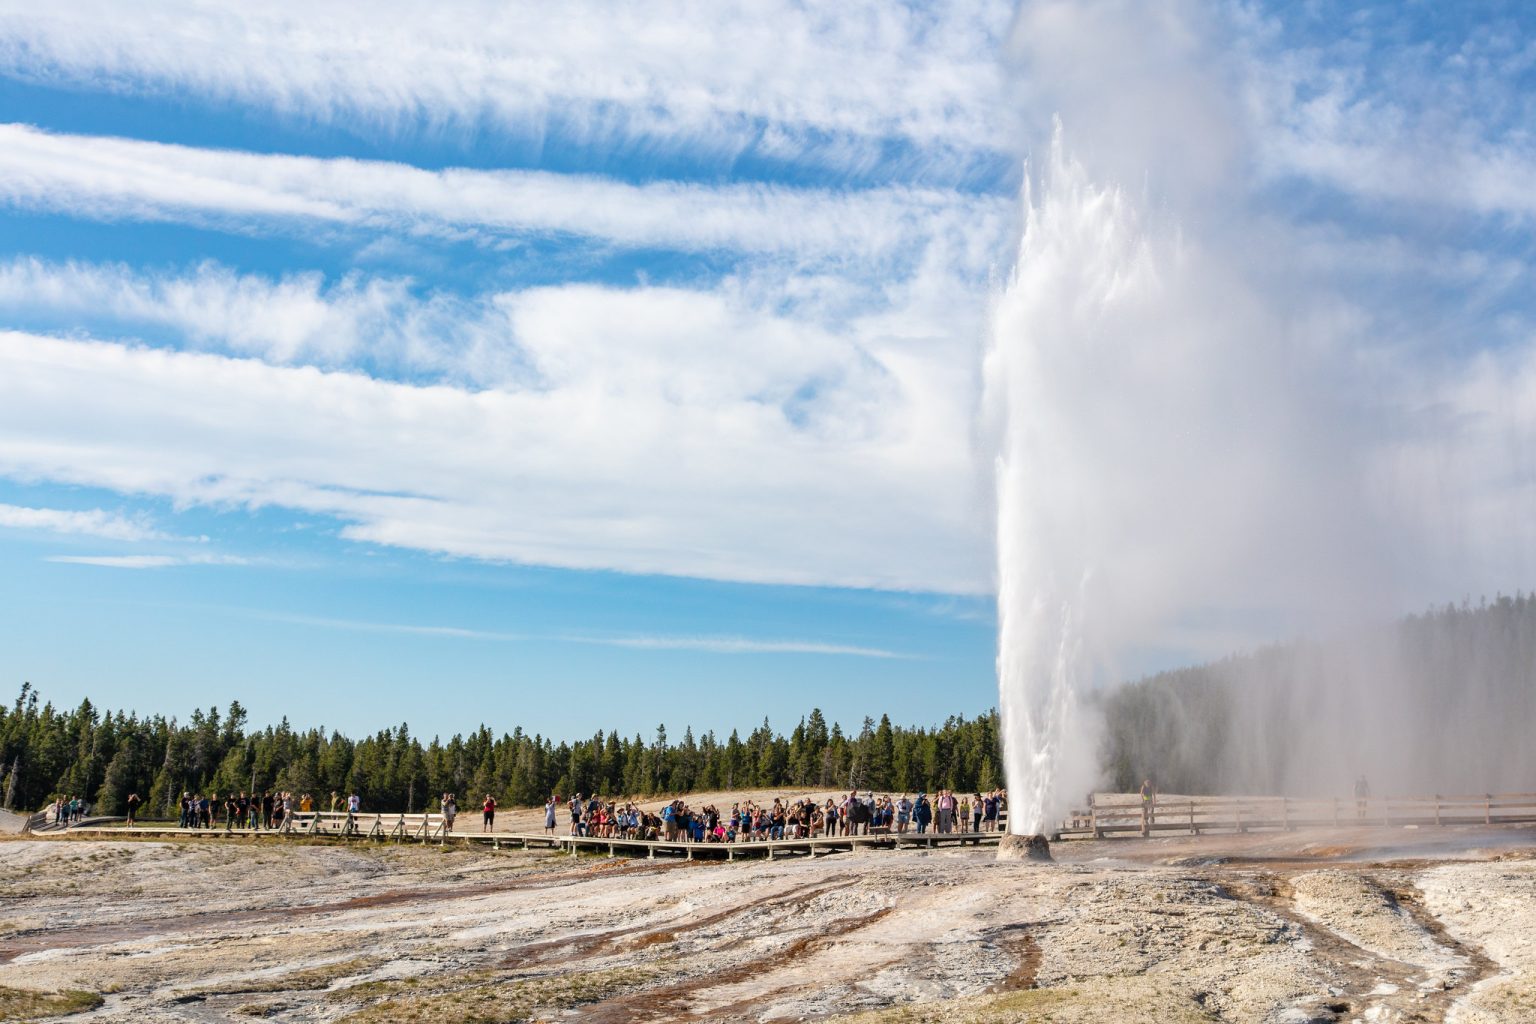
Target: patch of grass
<point x="22" y="1004"/>
<point x="260" y="1009"/>
<point x="480" y="998"/>
<point x="308" y="980"/>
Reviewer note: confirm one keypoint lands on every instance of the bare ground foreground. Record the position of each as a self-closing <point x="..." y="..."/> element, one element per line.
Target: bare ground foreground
<point x="1347" y="925"/>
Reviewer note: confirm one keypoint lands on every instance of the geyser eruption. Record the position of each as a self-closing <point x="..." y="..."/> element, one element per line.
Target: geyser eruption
<point x="1215" y="427"/>
<point x="1078" y="255"/>
<point x="1162" y="460"/>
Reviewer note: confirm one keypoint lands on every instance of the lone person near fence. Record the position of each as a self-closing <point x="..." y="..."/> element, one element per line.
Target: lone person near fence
<point x="1362" y="797"/>
<point x="490" y="813"/>
<point x="133" y="807"/>
<point x="1148" y="805"/>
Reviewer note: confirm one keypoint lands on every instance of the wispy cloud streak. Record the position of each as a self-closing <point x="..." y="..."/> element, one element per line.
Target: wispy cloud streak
<point x="147" y="561"/>
<point x="656" y="642"/>
<point x="719" y="81"/>
<point x="89" y="523"/>
<point x="124" y="179"/>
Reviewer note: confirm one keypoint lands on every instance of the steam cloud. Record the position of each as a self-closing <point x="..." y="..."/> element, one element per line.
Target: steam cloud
<point x="1203" y="440"/>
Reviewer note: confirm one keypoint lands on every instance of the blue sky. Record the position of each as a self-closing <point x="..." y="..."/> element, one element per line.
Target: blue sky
<point x="579" y="368"/>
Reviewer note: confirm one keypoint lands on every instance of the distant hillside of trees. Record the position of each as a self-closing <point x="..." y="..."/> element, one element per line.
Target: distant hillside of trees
<point x="1440" y="702"/>
<point x="104" y="756"/>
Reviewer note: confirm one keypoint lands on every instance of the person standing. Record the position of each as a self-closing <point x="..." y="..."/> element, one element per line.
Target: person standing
<point x="549" y="814"/>
<point x="268" y="805"/>
<point x="1148" y="806"/>
<point x="133" y="807"/>
<point x="922" y="813"/>
<point x="1362" y="797"/>
<point x="450" y="812"/>
<point x="946" y="811"/>
<point x="354" y="805"/>
<point x="489" y="807"/>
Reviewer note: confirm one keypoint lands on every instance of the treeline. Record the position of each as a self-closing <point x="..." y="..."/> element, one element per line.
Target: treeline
<point x="104" y="756"/>
<point x="1443" y="702"/>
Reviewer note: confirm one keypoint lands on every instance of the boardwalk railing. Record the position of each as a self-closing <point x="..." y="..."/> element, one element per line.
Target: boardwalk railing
<point x="1196" y="815"/>
<point x="397" y="827"/>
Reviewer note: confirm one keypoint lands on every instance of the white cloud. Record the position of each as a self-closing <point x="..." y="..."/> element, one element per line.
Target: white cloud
<point x="296" y="318"/>
<point x="1437" y="122"/>
<point x="828" y="85"/>
<point x="146" y="561"/>
<point x="662" y="642"/>
<point x="830" y="464"/>
<point x="113" y="178"/>
<point x="803" y="329"/>
<point x="89" y="523"/>
<point x="737" y="645"/>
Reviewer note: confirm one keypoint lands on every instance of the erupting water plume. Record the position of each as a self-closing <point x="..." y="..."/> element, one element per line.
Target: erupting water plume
<point x="1164" y="457"/>
<point x="1079" y="253"/>
<point x="1214" y="430"/>
<point x="1182" y="469"/>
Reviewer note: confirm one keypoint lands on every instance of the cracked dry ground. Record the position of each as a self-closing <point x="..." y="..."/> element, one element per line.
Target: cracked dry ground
<point x="1288" y="929"/>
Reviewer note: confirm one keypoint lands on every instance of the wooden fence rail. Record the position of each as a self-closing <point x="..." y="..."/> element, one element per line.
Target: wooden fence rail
<point x="1196" y="815"/>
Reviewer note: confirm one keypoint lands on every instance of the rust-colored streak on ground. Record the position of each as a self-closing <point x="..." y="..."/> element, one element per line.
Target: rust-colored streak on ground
<point x="670" y="1003"/>
<point x="585" y="946"/>
<point x="1022" y="977"/>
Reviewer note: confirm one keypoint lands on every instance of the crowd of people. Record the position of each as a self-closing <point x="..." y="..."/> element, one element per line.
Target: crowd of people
<point x="265" y="811"/>
<point x="592" y="816"/>
<point x="748" y="821"/>
<point x="67" y="810"/>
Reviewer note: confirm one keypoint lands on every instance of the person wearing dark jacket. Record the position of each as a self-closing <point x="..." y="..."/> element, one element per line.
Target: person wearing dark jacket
<point x="922" y="814"/>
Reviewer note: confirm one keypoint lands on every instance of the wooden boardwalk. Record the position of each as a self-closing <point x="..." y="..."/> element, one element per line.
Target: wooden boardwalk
<point x="1119" y="817"/>
<point x="429" y="828"/>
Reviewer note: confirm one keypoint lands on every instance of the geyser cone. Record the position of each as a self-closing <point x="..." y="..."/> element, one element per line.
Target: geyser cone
<point x="1016" y="847"/>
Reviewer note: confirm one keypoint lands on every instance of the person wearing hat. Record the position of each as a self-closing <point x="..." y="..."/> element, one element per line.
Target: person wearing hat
<point x="922" y="813"/>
